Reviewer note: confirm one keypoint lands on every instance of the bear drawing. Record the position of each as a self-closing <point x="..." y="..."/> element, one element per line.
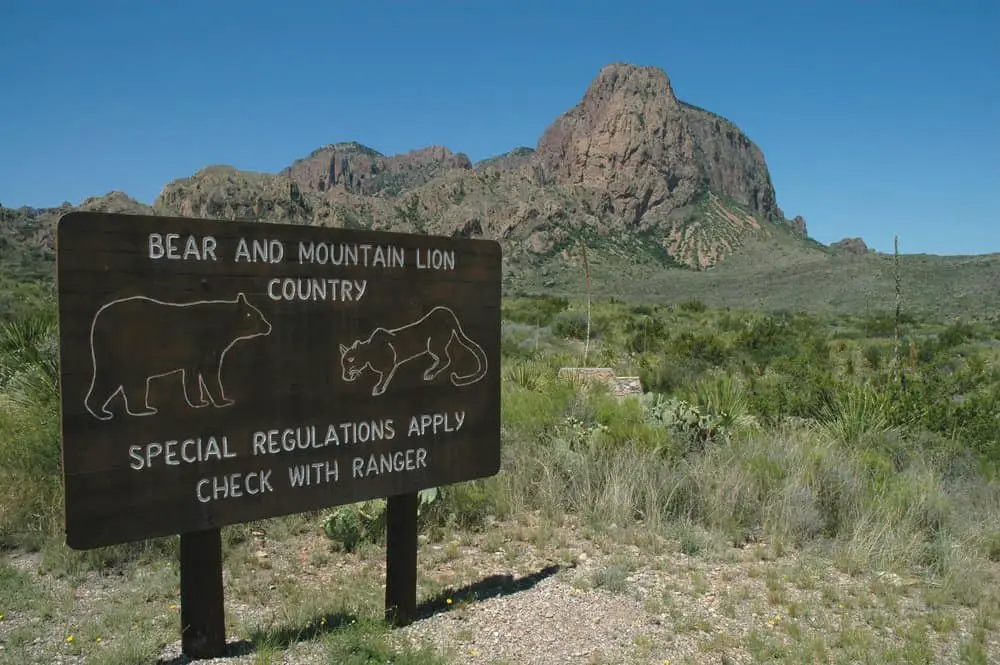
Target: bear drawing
<point x="135" y="340"/>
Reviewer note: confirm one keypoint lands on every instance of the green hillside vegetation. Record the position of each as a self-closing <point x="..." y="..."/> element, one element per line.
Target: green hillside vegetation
<point x="776" y="269"/>
<point x="805" y="435"/>
<point x="779" y="271"/>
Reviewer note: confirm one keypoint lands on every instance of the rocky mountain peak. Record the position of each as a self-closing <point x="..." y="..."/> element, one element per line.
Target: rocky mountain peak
<point x="638" y="173"/>
<point x="644" y="154"/>
<point x="626" y="138"/>
<point x="624" y="80"/>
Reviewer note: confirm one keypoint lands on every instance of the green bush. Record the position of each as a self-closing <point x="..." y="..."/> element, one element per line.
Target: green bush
<point x="694" y="306"/>
<point x="534" y="311"/>
<point x="644" y="333"/>
<point x="572" y="324"/>
<point x="749" y="427"/>
<point x="704" y="346"/>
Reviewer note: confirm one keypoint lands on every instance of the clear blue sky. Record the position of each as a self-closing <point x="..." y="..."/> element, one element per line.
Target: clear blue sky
<point x="876" y="117"/>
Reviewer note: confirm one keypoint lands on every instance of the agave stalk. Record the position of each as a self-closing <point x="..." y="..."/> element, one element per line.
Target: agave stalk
<point x="896" y="365"/>
<point x="586" y="272"/>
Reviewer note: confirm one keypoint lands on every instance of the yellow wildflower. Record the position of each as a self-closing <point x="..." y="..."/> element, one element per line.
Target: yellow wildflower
<point x="69" y="639"/>
<point x="448" y="601"/>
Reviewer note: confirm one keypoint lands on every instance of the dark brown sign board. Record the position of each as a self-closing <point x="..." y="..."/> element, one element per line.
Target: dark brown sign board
<point x="216" y="372"/>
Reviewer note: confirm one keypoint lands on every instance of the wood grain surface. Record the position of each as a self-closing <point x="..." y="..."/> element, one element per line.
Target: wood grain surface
<point x="216" y="372"/>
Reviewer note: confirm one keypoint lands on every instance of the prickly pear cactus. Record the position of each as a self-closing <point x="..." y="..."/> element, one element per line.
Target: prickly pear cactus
<point x="681" y="418"/>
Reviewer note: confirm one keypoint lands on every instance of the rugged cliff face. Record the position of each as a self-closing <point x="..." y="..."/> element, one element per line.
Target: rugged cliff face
<point x="360" y="170"/>
<point x="223" y="192"/>
<point x="729" y="163"/>
<point x="648" y="162"/>
<point x="630" y="170"/>
<point x="631" y="138"/>
<point x="627" y="141"/>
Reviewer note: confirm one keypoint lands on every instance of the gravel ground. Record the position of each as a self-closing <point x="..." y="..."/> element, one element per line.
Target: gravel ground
<point x="551" y="623"/>
<point x="563" y="596"/>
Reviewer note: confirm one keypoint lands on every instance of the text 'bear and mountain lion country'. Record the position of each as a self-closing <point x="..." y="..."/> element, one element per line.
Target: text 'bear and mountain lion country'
<point x="210" y="369"/>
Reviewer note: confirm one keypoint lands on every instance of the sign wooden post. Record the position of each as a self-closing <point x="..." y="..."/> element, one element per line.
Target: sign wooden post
<point x="217" y="372"/>
<point x="401" y="559"/>
<point x="203" y="618"/>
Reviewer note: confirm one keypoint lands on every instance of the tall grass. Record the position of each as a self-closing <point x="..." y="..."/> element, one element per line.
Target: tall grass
<point x="796" y="486"/>
<point x="30" y="464"/>
<point x="752" y="431"/>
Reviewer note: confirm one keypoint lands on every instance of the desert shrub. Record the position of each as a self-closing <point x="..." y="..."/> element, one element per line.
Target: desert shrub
<point x="524" y="342"/>
<point x="956" y="333"/>
<point x="874" y="356"/>
<point x="884" y="504"/>
<point x="669" y="374"/>
<point x="644" y="333"/>
<point x="704" y="346"/>
<point x="572" y="324"/>
<point x="763" y="339"/>
<point x="462" y="505"/>
<point x="20" y="298"/>
<point x="693" y="305"/>
<point x="953" y="335"/>
<point x="534" y="310"/>
<point x="535" y="412"/>
<point x="880" y="324"/>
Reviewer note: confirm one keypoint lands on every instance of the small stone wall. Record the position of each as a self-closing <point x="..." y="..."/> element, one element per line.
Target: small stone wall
<point x="620" y="386"/>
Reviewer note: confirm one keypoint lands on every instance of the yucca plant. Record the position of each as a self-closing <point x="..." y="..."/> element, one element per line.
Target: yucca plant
<point x="856" y="412"/>
<point x="25" y="341"/>
<point x="29" y="360"/>
<point x="527" y="375"/>
<point x="724" y="396"/>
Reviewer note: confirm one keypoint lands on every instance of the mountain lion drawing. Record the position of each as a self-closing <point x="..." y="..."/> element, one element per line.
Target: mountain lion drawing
<point x="138" y="339"/>
<point x="431" y="335"/>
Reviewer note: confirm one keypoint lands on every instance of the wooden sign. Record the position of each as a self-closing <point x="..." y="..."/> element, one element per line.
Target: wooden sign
<point x="216" y="372"/>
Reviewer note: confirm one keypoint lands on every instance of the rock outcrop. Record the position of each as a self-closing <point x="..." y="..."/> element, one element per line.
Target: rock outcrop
<point x="648" y="153"/>
<point x="514" y="160"/>
<point x="799" y="224"/>
<point x="223" y="192"/>
<point x="852" y="246"/>
<point x="360" y="170"/>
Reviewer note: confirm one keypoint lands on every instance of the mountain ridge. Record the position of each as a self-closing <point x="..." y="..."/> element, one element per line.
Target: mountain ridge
<point x="652" y="185"/>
